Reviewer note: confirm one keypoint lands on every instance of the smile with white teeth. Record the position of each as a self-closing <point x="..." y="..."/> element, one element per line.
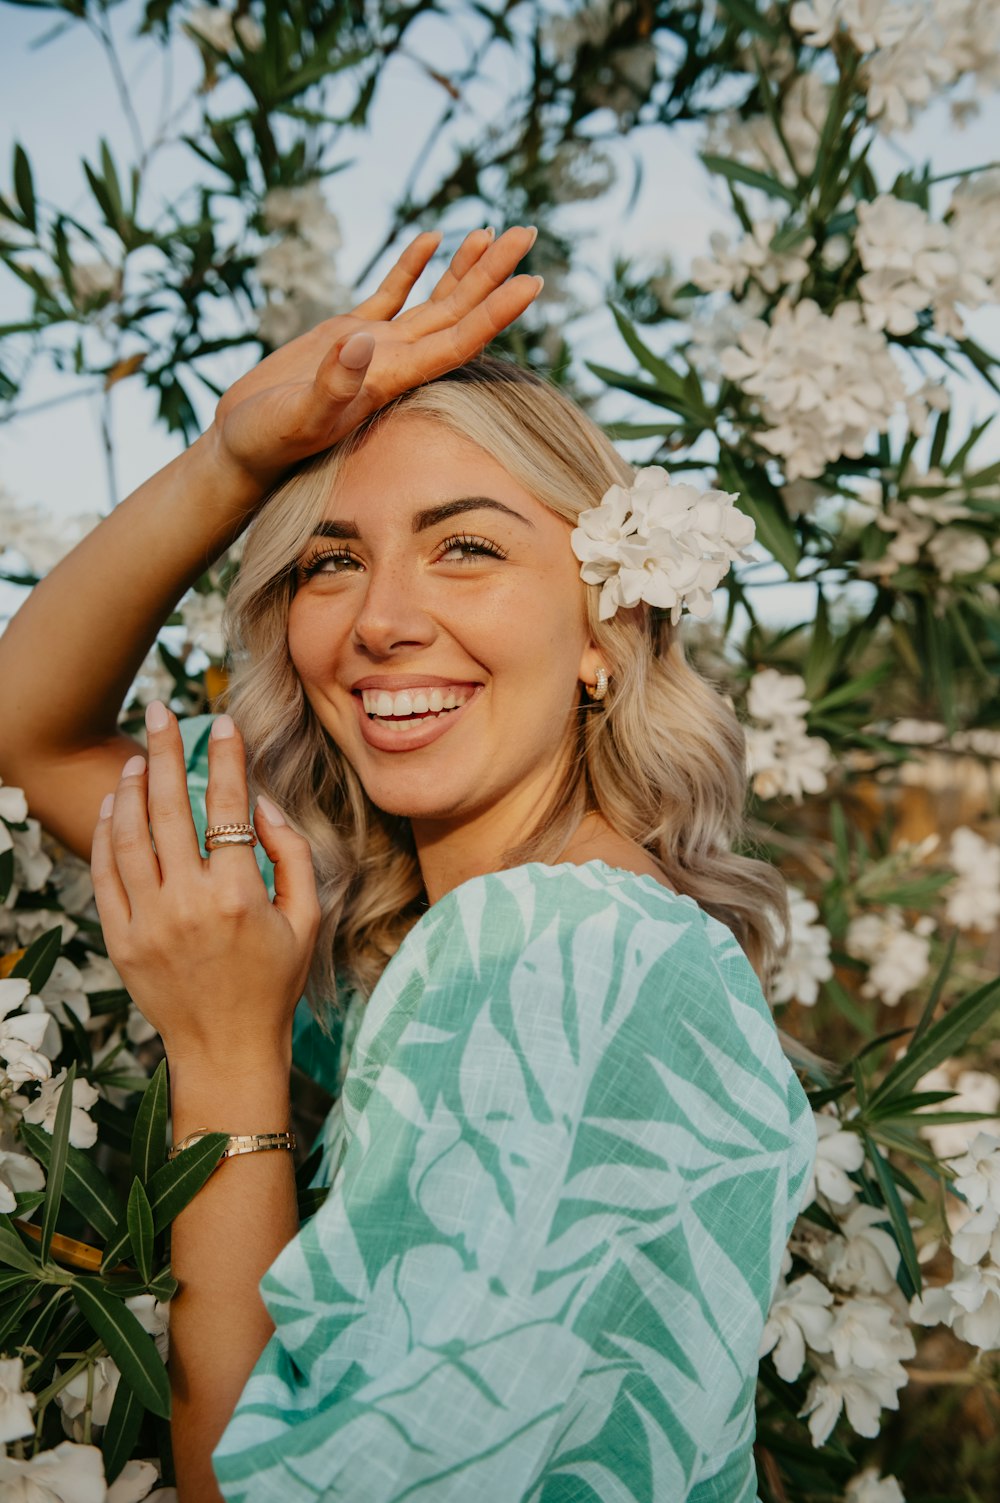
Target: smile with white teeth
<point x="410" y="704"/>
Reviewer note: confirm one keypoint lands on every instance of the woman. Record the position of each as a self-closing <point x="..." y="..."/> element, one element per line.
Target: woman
<point x="568" y="1149"/>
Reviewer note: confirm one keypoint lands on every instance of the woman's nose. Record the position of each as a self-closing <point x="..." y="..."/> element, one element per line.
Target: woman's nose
<point x="391" y="614"/>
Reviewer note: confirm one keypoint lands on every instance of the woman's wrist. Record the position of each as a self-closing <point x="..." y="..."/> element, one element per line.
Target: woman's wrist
<point x="236" y="1097"/>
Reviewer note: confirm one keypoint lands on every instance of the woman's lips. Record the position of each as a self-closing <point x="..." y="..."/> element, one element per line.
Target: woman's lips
<point x="412" y="733"/>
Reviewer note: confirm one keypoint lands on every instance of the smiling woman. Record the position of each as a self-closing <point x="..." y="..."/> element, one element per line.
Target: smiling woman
<point x="499" y="815"/>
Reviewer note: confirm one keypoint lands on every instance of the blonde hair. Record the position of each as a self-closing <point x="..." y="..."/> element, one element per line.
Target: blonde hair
<point x="662" y="758"/>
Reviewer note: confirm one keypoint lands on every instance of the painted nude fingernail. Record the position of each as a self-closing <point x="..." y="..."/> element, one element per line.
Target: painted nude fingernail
<point x="134" y="767"/>
<point x="541" y="282"/>
<point x="223" y="727"/>
<point x="357" y="352"/>
<point x="156" y="716"/>
<point x="533" y="228"/>
<point x="107" y="805"/>
<point x="491" y="231"/>
<point x="270" y="811"/>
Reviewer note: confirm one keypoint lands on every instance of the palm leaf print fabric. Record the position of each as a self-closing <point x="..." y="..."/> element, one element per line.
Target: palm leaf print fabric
<point x="564" y="1167"/>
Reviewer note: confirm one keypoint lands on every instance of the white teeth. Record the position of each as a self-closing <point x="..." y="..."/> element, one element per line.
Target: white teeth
<point x="406" y="702"/>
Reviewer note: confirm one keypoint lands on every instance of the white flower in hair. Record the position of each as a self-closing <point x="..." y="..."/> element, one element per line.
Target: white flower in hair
<point x="666" y="544"/>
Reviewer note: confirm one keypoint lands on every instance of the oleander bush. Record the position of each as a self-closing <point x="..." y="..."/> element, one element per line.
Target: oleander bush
<point x="819" y="360"/>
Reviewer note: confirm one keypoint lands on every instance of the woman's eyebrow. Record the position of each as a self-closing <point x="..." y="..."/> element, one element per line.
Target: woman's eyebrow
<point x="348" y="531"/>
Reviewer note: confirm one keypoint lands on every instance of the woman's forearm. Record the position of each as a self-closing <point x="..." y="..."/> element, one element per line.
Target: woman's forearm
<point x="69" y="655"/>
<point x="221" y="1244"/>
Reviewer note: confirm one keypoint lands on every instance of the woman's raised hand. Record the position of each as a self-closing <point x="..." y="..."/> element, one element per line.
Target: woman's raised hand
<point x="316" y="389"/>
<point x="209" y="959"/>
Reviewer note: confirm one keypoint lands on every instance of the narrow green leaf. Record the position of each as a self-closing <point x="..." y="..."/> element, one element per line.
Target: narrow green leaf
<point x="897" y="1216"/>
<point x="170" y="1189"/>
<point x="822" y="654"/>
<point x="131" y="1347"/>
<point x="164" y="1286"/>
<point x="760" y="500"/>
<point x="24" y="188"/>
<point x="140" y="1229"/>
<point x="667" y="379"/>
<point x="85" y="1186"/>
<point x="121" y="1431"/>
<point x="12" y="1316"/>
<point x="149" y="1138"/>
<point x="6" y="873"/>
<point x="943" y="1039"/>
<point x="57" y="1162"/>
<point x="939" y="439"/>
<point x="935" y="993"/>
<point x="637" y="387"/>
<point x="961" y="454"/>
<point x="738" y="172"/>
<point x="13" y="1253"/>
<point x="853" y="690"/>
<point x="11" y="1278"/>
<point x="35" y="965"/>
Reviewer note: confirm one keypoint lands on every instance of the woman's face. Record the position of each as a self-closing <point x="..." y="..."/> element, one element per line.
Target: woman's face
<point x="439" y="630"/>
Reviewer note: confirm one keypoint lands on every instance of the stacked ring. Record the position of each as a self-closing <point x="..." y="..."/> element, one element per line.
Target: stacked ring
<point x="217" y="835"/>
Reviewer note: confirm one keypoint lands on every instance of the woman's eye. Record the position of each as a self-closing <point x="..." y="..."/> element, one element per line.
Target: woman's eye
<point x="340" y="561"/>
<point x="464" y="549"/>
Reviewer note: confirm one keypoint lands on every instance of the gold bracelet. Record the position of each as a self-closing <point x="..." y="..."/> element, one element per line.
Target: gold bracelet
<point x="249" y="1142"/>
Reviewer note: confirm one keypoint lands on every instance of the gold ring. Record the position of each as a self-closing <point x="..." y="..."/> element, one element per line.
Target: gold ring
<point x="217" y="835"/>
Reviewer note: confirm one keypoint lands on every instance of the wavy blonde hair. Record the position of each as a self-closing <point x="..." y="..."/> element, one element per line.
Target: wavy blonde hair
<point x="662" y="758"/>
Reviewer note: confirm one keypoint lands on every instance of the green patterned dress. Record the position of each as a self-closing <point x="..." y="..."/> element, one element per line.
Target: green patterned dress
<point x="564" y="1166"/>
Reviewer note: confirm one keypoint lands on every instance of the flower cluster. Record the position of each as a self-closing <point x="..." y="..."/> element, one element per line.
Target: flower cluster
<point x="224" y="30"/>
<point x="806" y="962"/>
<point x="32" y="536"/>
<point x="913" y="263"/>
<point x="782" y="758"/>
<point x="922" y="528"/>
<point x="970" y="1302"/>
<point x="822" y="383"/>
<point x="752" y="258"/>
<point x="973" y="900"/>
<point x="666" y="544"/>
<point x="898" y="954"/>
<point x="297" y="270"/>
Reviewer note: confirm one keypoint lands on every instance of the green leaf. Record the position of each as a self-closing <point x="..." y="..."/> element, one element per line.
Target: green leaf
<point x="667" y="379"/>
<point x="935" y="994"/>
<point x="85" y="1186"/>
<point x="11" y="1278"/>
<point x="738" y="172"/>
<point x="13" y="1253"/>
<point x="121" y="1431"/>
<point x="131" y="1347"/>
<point x="25" y="189"/>
<point x="57" y="1162"/>
<point x="897" y="1216"/>
<point x="35" y="965"/>
<point x="164" y="1286"/>
<point x="149" y="1137"/>
<point x="822" y="653"/>
<point x="6" y="873"/>
<point x="170" y="1189"/>
<point x="945" y="1038"/>
<point x="11" y="1318"/>
<point x="853" y="690"/>
<point x="140" y="1229"/>
<point x="760" y="500"/>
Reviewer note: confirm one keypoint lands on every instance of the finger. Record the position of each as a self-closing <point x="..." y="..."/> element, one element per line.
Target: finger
<point x="226" y="799"/>
<point x="109" y="891"/>
<point x="294" y="877"/>
<point x="454" y="345"/>
<point x="472" y="247"/>
<point x="133" y="845"/>
<point x="483" y="277"/>
<point x="342" y="371"/>
<point x="170" y="818"/>
<point x="392" y="292"/>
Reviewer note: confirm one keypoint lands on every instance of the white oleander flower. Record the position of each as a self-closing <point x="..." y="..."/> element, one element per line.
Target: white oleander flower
<point x="36" y="536"/>
<point x="18" y="1173"/>
<point x="72" y="1398"/>
<point x="202" y="617"/>
<point x="978" y="1172"/>
<point x="869" y="1487"/>
<point x="154" y="1317"/>
<point x="958" y="550"/>
<point x="13" y="807"/>
<point x="973" y="899"/>
<point x="154" y="680"/>
<point x="799" y="1316"/>
<point x="67" y="1474"/>
<point x="221" y="28"/>
<point x="898" y="957"/>
<point x="135" y="1481"/>
<point x="82" y="1130"/>
<point x="866" y="1334"/>
<point x="976" y="1295"/>
<point x="865" y="1258"/>
<point x="860" y="1392"/>
<point x="655" y="541"/>
<point x="974" y="1091"/>
<point x="782" y="758"/>
<point x="729" y="267"/>
<point x="977" y="1236"/>
<point x="15" y="1405"/>
<point x="838" y="1153"/>
<point x="773" y="696"/>
<point x="806" y="962"/>
<point x="22" y="1036"/>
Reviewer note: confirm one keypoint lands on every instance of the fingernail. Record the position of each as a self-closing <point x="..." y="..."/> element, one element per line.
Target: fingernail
<point x="357" y="352"/>
<point x="533" y="228"/>
<point x="270" y="811"/>
<point x="223" y="727"/>
<point x="491" y="232"/>
<point x="107" y="805"/>
<point x="134" y="767"/>
<point x="156" y="716"/>
<point x="541" y="282"/>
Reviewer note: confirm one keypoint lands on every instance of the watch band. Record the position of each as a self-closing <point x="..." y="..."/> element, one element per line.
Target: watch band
<point x="248" y="1142"/>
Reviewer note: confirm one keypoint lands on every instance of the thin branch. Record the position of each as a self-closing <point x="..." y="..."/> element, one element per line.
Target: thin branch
<point x="102" y="31"/>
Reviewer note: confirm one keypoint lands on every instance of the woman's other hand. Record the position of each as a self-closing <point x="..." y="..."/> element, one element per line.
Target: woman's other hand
<point x="314" y="390"/>
<point x="209" y="959"/>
